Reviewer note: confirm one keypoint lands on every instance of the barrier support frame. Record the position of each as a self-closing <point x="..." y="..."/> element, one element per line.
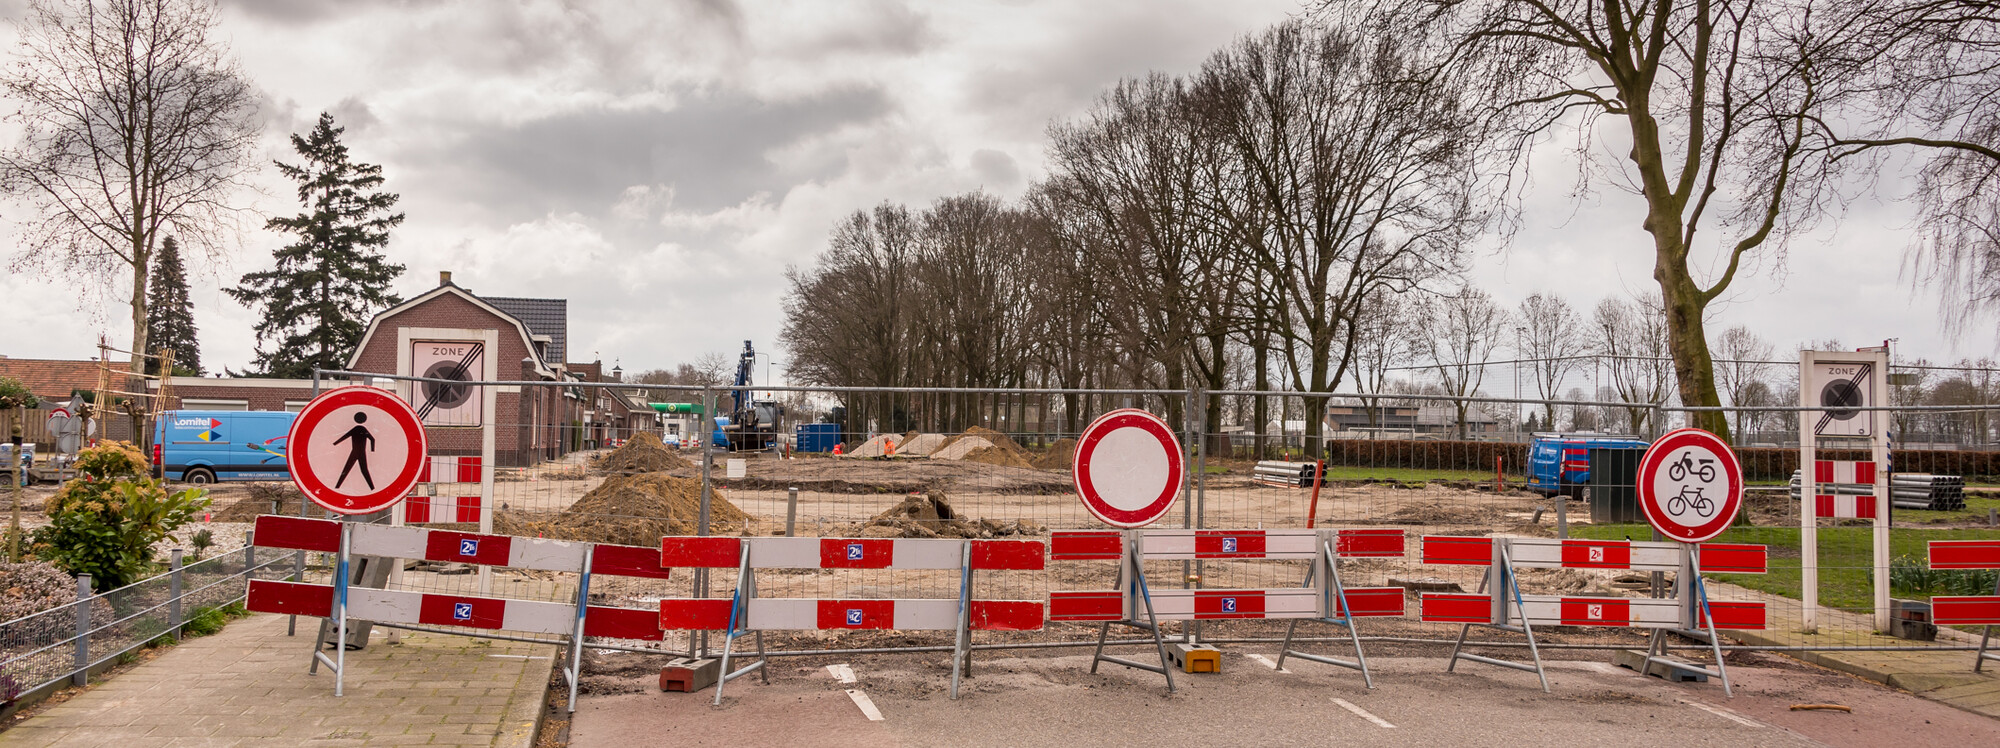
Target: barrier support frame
<point x="1502" y="573"/>
<point x="1132" y="577"/>
<point x="1690" y="585"/>
<point x="574" y="671"/>
<point x="739" y="615"/>
<point x="337" y="663"/>
<point x="1338" y="594"/>
<point x="1979" y="659"/>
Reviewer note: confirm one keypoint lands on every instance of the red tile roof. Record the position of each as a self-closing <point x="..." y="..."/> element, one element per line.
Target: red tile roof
<point x="54" y="380"/>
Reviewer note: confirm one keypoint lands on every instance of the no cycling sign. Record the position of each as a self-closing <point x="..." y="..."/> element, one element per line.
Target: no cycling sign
<point x="356" y="450"/>
<point x="1690" y="485"/>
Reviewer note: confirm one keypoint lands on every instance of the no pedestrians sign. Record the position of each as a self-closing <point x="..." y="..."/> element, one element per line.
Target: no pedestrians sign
<point x="356" y="450"/>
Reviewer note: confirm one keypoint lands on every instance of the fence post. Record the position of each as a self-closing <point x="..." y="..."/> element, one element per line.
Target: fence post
<point x="700" y="639"/>
<point x="174" y="593"/>
<point x="84" y="597"/>
<point x="249" y="553"/>
<point x="791" y="511"/>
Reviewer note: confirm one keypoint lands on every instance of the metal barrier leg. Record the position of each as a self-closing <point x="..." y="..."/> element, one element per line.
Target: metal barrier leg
<point x="959" y="651"/>
<point x="1146" y="595"/>
<point x="1452" y="665"/>
<point x="1979" y="662"/>
<point x="736" y="613"/>
<point x="1338" y="596"/>
<point x="1286" y="648"/>
<point x="575" y="671"/>
<point x="1347" y="616"/>
<point x="1103" y="632"/>
<point x="1521" y="604"/>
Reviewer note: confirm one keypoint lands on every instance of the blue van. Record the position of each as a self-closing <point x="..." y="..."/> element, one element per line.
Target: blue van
<point x="1558" y="463"/>
<point x="205" y="446"/>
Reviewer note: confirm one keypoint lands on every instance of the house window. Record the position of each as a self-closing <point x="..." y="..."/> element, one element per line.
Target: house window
<point x="295" y="406"/>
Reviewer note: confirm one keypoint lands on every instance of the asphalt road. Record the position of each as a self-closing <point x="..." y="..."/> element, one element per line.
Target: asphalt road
<point x="1055" y="701"/>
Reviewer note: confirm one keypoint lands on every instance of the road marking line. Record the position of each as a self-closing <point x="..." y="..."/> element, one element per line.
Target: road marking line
<point x="844" y="673"/>
<point x="1363" y="713"/>
<point x="867" y="706"/>
<point x="1723" y="713"/>
<point x="1267" y="662"/>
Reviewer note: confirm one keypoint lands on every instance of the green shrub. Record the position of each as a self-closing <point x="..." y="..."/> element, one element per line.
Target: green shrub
<point x="105" y="521"/>
<point x="1909" y="574"/>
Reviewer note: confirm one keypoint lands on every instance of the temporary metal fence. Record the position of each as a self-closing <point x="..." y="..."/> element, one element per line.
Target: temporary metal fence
<point x="1437" y="478"/>
<point x="64" y="645"/>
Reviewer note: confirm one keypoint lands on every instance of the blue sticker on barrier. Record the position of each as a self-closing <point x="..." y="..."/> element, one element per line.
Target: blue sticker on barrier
<point x="1228" y="545"/>
<point x="1228" y="605"/>
<point x="461" y="611"/>
<point x="468" y="547"/>
<point x="853" y="616"/>
<point x="854" y="551"/>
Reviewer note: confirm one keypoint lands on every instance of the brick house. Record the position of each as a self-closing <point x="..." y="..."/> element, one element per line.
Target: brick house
<point x="449" y="332"/>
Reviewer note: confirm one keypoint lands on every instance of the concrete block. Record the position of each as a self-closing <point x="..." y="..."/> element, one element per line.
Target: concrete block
<point x="1195" y="658"/>
<point x="690" y="674"/>
<point x="1633" y="659"/>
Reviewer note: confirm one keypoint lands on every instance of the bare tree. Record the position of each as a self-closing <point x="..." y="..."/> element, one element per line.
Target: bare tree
<point x="1718" y="100"/>
<point x="1742" y="369"/>
<point x="1460" y="333"/>
<point x="1552" y="336"/>
<point x="1385" y="339"/>
<point x="1632" y="340"/>
<point x="136" y="125"/>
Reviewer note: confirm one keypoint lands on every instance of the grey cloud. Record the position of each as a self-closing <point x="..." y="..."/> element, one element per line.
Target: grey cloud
<point x="354" y="114"/>
<point x="997" y="171"/>
<point x="886" y="26"/>
<point x="714" y="150"/>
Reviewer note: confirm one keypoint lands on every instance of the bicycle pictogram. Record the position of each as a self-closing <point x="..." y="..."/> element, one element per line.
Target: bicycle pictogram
<point x="1679" y="503"/>
<point x="1680" y="469"/>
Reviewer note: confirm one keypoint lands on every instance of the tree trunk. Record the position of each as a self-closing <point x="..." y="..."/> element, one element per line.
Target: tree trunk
<point x="1262" y="351"/>
<point x="1694" y="368"/>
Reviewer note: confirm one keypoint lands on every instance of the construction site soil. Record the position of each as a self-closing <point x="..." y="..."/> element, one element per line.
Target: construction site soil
<point x="643" y="453"/>
<point x="627" y="510"/>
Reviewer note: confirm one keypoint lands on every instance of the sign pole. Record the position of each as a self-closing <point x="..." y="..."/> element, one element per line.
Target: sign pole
<point x="1808" y="512"/>
<point x="340" y="592"/>
<point x="1878" y="451"/>
<point x="486" y="438"/>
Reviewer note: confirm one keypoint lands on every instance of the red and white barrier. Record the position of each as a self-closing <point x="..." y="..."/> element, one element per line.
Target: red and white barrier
<point x="1843" y="471"/>
<point x="425" y="509"/>
<point x="1505" y="607"/>
<point x="1842" y="506"/>
<point x="1968" y="610"/>
<point x="323" y="535"/>
<point x="744" y="611"/>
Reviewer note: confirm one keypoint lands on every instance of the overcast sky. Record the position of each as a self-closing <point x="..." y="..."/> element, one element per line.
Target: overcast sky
<point x="659" y="164"/>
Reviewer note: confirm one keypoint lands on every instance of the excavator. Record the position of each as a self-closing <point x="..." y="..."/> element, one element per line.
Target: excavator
<point x="752" y="425"/>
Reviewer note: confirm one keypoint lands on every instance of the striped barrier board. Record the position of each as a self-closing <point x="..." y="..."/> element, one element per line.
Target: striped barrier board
<point x="428" y="609"/>
<point x="1840" y="506"/>
<point x="793" y="614"/>
<point x="1176" y="545"/>
<point x="1965" y="554"/>
<point x="425" y="509"/>
<point x="1843" y="471"/>
<point x="848" y="553"/>
<point x="1967" y="610"/>
<point x="1628" y="555"/>
<point x="447" y="546"/>
<point x="450" y="470"/>
<point x="1826" y="506"/>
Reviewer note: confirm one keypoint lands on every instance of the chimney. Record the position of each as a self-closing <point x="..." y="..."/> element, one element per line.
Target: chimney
<point x="444" y="277"/>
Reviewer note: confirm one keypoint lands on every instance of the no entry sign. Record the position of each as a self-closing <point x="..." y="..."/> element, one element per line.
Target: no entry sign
<point x="1128" y="468"/>
<point x="1690" y="485"/>
<point x="356" y="450"/>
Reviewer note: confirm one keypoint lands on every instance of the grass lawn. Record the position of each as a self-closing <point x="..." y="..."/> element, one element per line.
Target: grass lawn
<point x="1975" y="511"/>
<point x="1846" y="557"/>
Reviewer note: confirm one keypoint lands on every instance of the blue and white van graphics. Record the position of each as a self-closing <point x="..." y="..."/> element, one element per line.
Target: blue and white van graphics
<point x="205" y="446"/>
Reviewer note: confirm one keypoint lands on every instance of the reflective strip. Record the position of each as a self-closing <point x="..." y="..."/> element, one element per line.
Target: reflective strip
<point x="1966" y="611"/>
<point x="1965" y="554"/>
<point x="1734" y="558"/>
<point x="1454" y="607"/>
<point x="1452" y="549"/>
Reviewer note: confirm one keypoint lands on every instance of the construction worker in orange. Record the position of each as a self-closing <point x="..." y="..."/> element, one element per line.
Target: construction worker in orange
<point x="836" y="449"/>
<point x="888" y="447"/>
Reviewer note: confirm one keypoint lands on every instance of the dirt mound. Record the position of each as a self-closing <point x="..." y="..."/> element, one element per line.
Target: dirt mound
<point x="1437" y="514"/>
<point x="992" y="437"/>
<point x="919" y="445"/>
<point x="1058" y="456"/>
<point x="931" y="516"/>
<point x="627" y="510"/>
<point x="996" y="455"/>
<point x="959" y="447"/>
<point x="643" y="453"/>
<point x="267" y="498"/>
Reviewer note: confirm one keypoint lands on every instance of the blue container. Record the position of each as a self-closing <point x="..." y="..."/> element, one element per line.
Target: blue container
<point x="817" y="437"/>
<point x="1560" y="463"/>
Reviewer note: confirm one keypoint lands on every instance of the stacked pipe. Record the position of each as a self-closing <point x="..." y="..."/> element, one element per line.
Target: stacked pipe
<point x="1283" y="474"/>
<point x="1942" y="493"/>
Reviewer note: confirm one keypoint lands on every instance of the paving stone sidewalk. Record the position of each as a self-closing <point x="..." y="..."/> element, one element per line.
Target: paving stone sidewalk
<point x="1943" y="676"/>
<point x="247" y="686"/>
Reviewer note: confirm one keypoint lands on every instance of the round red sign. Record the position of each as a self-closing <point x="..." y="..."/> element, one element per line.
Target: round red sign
<point x="1690" y="485"/>
<point x="356" y="450"/>
<point x="1128" y="468"/>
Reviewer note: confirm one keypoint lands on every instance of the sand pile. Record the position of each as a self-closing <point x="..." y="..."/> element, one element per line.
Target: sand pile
<point x="980" y="448"/>
<point x="1058" y="456"/>
<point x="875" y="447"/>
<point x="960" y="447"/>
<point x="919" y="445"/>
<point x="931" y="516"/>
<point x="643" y="453"/>
<point x="627" y="510"/>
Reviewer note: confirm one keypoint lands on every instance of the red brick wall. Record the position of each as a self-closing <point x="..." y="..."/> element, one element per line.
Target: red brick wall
<point x="260" y="398"/>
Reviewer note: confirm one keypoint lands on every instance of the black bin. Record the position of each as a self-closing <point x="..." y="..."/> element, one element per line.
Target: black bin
<point x="1614" y="480"/>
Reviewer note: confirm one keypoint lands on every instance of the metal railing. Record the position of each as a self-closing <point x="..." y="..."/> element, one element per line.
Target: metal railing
<point x="64" y="645"/>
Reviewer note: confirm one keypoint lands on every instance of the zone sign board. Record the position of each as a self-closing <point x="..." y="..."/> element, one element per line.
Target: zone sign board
<point x="439" y="403"/>
<point x="1128" y="468"/>
<point x="1690" y="485"/>
<point x="1842" y="383"/>
<point x="356" y="450"/>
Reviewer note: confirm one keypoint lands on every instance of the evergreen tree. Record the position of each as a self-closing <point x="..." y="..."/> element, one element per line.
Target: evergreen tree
<point x="169" y="313"/>
<point x="317" y="301"/>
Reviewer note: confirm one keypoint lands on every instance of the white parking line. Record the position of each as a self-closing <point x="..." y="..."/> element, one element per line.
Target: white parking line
<point x="1267" y="662"/>
<point x="867" y="705"/>
<point x="1723" y="713"/>
<point x="842" y="672"/>
<point x="1363" y="713"/>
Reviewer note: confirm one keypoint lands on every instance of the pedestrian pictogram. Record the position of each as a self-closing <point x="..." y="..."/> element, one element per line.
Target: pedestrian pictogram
<point x="356" y="450"/>
<point x="1690" y="486"/>
<point x="1128" y="468"/>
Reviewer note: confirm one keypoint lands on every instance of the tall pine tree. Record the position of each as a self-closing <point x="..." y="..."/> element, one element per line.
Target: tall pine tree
<point x="169" y="313"/>
<point x="317" y="301"/>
